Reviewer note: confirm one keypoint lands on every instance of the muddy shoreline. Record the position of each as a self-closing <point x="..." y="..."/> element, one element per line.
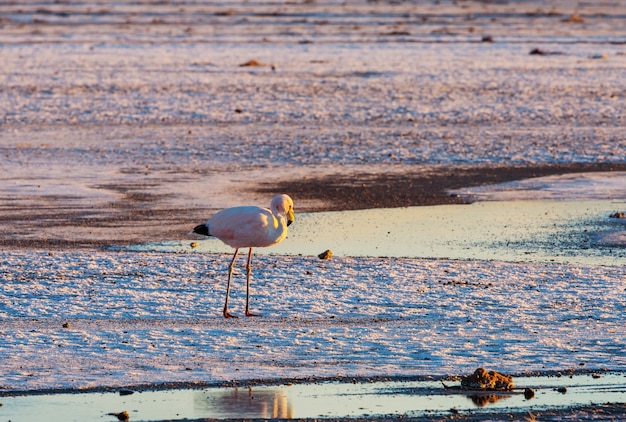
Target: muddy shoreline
<point x="285" y="381"/>
<point x="132" y="221"/>
<point x="363" y="191"/>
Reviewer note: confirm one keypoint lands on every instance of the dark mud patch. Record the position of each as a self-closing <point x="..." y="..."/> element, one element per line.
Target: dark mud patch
<point x="365" y="191"/>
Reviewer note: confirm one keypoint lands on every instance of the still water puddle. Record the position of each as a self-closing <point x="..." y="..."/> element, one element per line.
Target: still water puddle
<point x="316" y="400"/>
<point x="533" y="231"/>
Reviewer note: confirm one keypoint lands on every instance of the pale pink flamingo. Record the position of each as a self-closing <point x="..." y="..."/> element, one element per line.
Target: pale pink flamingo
<point x="249" y="227"/>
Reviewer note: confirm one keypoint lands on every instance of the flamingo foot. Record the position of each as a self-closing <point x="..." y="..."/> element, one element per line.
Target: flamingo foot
<point x="229" y="315"/>
<point x="248" y="313"/>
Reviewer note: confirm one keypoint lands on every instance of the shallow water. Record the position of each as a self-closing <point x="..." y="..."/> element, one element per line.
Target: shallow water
<point x="328" y="399"/>
<point x="579" y="232"/>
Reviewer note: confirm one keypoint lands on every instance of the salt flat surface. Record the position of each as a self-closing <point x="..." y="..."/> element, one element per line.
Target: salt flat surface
<point x="128" y="99"/>
<point x="152" y="317"/>
<point x="145" y="109"/>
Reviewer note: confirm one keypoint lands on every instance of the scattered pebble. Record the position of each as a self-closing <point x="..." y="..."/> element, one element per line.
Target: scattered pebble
<point x="618" y="214"/>
<point x="66" y="325"/>
<point x="540" y="52"/>
<point x="562" y="390"/>
<point x="327" y="254"/>
<point x="193" y="244"/>
<point x="251" y="63"/>
<point x="126" y="392"/>
<point x="122" y="416"/>
<point x="487" y="38"/>
<point x="229" y="12"/>
<point x="529" y="393"/>
<point x="575" y="18"/>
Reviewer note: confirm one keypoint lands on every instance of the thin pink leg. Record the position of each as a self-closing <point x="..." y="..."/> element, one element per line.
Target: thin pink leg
<point x="248" y="271"/>
<point x="230" y="274"/>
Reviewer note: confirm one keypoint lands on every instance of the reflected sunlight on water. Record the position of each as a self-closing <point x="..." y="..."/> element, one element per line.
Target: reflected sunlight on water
<point x="531" y="231"/>
<point x="325" y="399"/>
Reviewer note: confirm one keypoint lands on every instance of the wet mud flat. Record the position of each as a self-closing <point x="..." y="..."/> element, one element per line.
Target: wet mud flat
<point x="74" y="221"/>
<point x="579" y="394"/>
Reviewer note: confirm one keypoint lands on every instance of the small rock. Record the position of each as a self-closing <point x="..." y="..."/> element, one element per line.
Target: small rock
<point x="122" y="416"/>
<point x="327" y="254"/>
<point x="229" y="12"/>
<point x="599" y="56"/>
<point x="540" y="52"/>
<point x="596" y="376"/>
<point x="529" y="393"/>
<point x="194" y="244"/>
<point x="66" y="325"/>
<point x="562" y="390"/>
<point x="575" y="18"/>
<point x="618" y="214"/>
<point x="487" y="38"/>
<point x="251" y="63"/>
<point x="126" y="392"/>
<point x="483" y="380"/>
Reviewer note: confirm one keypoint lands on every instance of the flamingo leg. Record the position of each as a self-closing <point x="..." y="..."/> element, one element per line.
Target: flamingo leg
<point x="230" y="274"/>
<point x="248" y="271"/>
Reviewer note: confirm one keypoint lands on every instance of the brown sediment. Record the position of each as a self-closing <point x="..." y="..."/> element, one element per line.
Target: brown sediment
<point x="363" y="191"/>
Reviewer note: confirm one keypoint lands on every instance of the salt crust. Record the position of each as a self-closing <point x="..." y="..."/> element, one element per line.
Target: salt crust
<point x="153" y="317"/>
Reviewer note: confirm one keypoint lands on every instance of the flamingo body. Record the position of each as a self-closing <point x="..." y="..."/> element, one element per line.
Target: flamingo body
<point x="245" y="227"/>
<point x="249" y="227"/>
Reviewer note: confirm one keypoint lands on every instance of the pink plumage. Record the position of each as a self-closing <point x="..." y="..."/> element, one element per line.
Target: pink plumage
<point x="249" y="227"/>
<point x="245" y="227"/>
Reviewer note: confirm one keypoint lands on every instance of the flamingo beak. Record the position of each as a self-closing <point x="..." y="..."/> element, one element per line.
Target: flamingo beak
<point x="290" y="216"/>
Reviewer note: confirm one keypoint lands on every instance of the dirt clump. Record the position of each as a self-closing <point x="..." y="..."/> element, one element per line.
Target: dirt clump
<point x="483" y="380"/>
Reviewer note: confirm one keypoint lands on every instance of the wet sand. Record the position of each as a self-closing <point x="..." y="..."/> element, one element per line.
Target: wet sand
<point x="363" y="191"/>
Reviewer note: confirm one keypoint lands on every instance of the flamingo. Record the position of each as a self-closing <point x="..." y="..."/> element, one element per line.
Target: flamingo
<point x="249" y="227"/>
